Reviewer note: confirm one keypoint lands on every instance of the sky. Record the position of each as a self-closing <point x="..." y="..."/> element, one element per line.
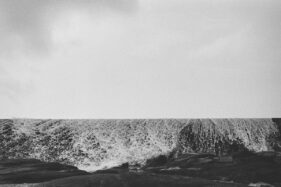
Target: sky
<point x="140" y="58"/>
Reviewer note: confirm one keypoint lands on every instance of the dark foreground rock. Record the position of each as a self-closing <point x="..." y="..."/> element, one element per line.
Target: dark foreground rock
<point x="198" y="170"/>
<point x="25" y="173"/>
<point x="17" y="171"/>
<point x="245" y="168"/>
<point x="135" y="180"/>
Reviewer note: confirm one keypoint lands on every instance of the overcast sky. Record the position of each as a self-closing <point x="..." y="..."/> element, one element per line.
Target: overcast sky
<point x="140" y="58"/>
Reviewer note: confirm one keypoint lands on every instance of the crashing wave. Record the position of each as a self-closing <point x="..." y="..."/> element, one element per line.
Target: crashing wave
<point x="98" y="144"/>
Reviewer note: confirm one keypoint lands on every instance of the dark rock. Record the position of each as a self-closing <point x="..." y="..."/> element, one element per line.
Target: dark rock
<point x="14" y="171"/>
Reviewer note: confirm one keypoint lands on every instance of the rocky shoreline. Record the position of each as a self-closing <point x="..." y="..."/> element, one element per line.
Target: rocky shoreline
<point x="200" y="170"/>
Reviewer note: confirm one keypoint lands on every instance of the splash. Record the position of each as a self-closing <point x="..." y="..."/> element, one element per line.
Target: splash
<point x="99" y="144"/>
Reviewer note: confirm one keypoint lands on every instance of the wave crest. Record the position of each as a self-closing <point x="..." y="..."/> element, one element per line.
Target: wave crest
<point x="97" y="144"/>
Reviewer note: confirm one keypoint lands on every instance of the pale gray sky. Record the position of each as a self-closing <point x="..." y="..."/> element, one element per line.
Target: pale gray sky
<point x="140" y="58"/>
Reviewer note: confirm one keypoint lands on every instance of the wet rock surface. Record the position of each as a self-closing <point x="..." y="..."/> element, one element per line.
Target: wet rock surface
<point x="200" y="170"/>
<point x="242" y="167"/>
<point x="16" y="171"/>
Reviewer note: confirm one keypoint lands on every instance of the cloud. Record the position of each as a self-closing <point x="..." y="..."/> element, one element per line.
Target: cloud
<point x="26" y="24"/>
<point x="26" y="35"/>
